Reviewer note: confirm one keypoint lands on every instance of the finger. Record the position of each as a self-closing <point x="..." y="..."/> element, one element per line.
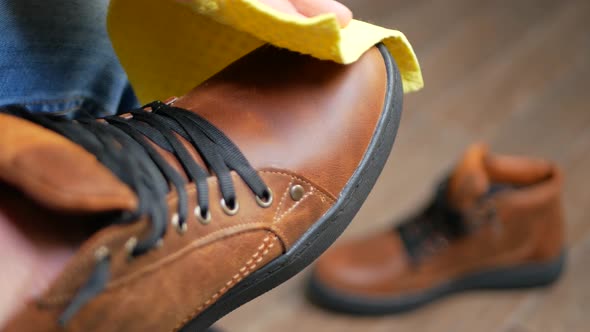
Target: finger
<point x="312" y="8"/>
<point x="284" y="6"/>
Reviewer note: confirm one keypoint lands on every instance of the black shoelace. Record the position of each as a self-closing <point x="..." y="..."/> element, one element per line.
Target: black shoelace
<point x="440" y="223"/>
<point x="433" y="227"/>
<point x="122" y="145"/>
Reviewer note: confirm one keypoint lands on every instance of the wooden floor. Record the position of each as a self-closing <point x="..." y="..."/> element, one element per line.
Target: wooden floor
<point x="514" y="73"/>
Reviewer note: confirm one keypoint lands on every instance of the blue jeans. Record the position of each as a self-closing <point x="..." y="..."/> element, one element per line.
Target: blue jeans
<point x="55" y="56"/>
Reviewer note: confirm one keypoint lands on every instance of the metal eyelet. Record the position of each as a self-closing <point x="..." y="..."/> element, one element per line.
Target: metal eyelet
<point x="199" y="215"/>
<point x="180" y="228"/>
<point x="130" y="247"/>
<point x="227" y="210"/>
<point x="102" y="253"/>
<point x="265" y="203"/>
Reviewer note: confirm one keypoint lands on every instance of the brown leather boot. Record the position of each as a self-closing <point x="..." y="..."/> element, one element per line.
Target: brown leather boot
<point x="495" y="223"/>
<point x="158" y="221"/>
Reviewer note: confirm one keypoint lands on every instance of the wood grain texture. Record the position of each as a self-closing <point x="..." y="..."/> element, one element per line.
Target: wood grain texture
<point x="513" y="73"/>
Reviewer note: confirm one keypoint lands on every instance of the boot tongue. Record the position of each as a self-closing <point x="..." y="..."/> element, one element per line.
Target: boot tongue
<point x="57" y="173"/>
<point x="469" y="180"/>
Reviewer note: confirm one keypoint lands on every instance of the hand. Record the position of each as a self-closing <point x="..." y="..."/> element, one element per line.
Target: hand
<point x="309" y="8"/>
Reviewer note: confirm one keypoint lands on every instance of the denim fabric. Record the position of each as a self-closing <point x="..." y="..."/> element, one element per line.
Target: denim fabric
<point x="55" y="56"/>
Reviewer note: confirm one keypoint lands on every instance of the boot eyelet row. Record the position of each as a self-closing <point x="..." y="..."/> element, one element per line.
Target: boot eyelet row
<point x="203" y="219"/>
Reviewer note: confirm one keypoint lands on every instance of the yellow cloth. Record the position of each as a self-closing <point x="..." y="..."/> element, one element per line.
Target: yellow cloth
<point x="167" y="48"/>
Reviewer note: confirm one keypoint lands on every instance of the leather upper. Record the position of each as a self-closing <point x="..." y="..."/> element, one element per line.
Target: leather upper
<point x="293" y="112"/>
<point x="527" y="227"/>
<point x="298" y="120"/>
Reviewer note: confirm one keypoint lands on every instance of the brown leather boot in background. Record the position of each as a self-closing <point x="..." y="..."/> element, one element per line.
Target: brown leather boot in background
<point x="496" y="223"/>
<point x="169" y="217"/>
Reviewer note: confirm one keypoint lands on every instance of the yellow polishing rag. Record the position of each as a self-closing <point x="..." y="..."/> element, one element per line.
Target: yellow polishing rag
<point x="167" y="48"/>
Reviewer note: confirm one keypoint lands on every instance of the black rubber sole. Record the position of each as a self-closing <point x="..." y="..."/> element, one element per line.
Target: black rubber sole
<point x="326" y="230"/>
<point x="523" y="276"/>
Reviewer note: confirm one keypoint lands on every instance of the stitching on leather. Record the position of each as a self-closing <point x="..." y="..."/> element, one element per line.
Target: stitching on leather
<point x="169" y="259"/>
<point x="345" y="204"/>
<point x="293" y="176"/>
<point x="243" y="272"/>
<point x="283" y="198"/>
<point x="282" y="237"/>
<point x="353" y="190"/>
<point x="308" y="194"/>
<point x="277" y="230"/>
<point x="188" y="248"/>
